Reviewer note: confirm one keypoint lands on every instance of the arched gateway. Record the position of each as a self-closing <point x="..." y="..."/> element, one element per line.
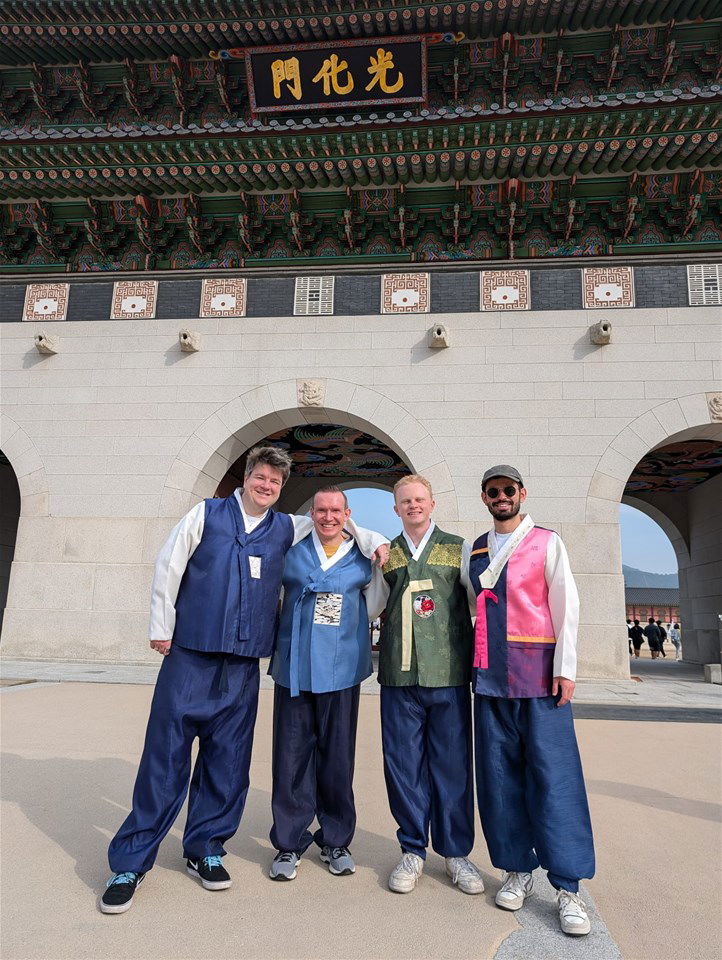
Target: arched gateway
<point x="271" y="411"/>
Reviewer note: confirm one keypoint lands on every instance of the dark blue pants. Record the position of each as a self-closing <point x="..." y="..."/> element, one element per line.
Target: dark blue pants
<point x="314" y="748"/>
<point x="530" y="788"/>
<point x="426" y="737"/>
<point x="213" y="697"/>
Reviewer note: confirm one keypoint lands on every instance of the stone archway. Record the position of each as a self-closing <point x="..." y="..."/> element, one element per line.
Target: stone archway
<point x="257" y="413"/>
<point x="23" y="494"/>
<point x="29" y="470"/>
<point x="687" y="517"/>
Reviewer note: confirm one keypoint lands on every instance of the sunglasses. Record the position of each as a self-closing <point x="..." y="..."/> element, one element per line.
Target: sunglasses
<point x="493" y="492"/>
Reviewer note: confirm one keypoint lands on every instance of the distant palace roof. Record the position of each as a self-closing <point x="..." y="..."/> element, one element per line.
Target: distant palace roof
<point x="652" y="596"/>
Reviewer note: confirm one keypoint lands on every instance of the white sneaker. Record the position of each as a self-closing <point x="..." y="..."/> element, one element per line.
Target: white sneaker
<point x="406" y="873"/>
<point x="573" y="913"/>
<point x="464" y="874"/>
<point x="515" y="889"/>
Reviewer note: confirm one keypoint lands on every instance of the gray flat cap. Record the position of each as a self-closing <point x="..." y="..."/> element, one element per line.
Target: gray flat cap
<point x="501" y="470"/>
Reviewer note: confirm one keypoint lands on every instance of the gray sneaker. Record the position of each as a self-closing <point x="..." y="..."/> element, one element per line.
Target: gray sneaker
<point x="284" y="865"/>
<point x="339" y="860"/>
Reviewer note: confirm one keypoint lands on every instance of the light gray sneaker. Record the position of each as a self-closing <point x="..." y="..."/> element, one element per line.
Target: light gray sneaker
<point x="573" y="913"/>
<point x="514" y="890"/>
<point x="284" y="865"/>
<point x="406" y="873"/>
<point x="339" y="860"/>
<point x="464" y="874"/>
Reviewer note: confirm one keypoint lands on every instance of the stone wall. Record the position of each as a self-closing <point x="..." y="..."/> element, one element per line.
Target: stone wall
<point x="124" y="432"/>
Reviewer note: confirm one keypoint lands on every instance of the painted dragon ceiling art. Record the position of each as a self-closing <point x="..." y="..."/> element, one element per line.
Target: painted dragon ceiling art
<point x="677" y="467"/>
<point x="338" y="452"/>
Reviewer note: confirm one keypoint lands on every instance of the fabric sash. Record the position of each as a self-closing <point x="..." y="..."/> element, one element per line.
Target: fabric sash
<point x="488" y="579"/>
<point x="481" y="639"/>
<point x="415" y="586"/>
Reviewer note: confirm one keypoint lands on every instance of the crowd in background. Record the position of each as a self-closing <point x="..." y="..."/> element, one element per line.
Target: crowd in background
<point x="655" y="634"/>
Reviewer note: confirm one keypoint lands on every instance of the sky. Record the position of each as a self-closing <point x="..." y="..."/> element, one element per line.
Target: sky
<point x="644" y="543"/>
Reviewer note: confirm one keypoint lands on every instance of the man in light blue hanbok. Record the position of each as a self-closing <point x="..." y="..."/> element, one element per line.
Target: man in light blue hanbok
<point x="323" y="653"/>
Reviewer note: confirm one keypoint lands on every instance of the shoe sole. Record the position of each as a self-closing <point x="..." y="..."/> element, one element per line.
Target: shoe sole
<point x="282" y="876"/>
<point x="337" y="873"/>
<point x="209" y="884"/>
<point x="577" y="932"/>
<point x="470" y="893"/>
<point x="116" y="908"/>
<point x="512" y="907"/>
<point x="404" y="889"/>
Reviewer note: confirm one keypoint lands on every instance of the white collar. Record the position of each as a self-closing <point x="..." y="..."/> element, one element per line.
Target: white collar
<point x="327" y="562"/>
<point x="499" y="557"/>
<point x="413" y="549"/>
<point x="255" y="520"/>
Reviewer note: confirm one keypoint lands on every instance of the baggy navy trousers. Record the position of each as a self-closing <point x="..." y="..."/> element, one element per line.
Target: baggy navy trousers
<point x="213" y="697"/>
<point x="530" y="789"/>
<point x="426" y="738"/>
<point x="314" y="748"/>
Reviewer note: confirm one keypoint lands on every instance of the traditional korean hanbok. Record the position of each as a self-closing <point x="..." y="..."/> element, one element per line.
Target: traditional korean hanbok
<point x="323" y="653"/>
<point x="530" y="785"/>
<point x="215" y="594"/>
<point x="424" y="672"/>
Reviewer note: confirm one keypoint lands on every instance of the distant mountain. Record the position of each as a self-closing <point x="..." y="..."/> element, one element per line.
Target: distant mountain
<point x="642" y="578"/>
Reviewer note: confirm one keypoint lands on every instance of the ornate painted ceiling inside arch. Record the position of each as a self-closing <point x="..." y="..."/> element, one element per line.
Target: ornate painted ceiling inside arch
<point x="334" y="453"/>
<point x="676" y="468"/>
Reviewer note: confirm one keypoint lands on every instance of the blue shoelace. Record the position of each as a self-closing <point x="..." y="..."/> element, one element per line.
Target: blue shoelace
<point x="121" y="878"/>
<point x="211" y="862"/>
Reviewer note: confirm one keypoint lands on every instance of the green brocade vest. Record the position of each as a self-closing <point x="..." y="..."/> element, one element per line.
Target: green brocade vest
<point x="427" y="637"/>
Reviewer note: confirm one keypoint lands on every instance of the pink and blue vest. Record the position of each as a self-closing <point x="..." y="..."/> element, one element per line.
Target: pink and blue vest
<point x="514" y="635"/>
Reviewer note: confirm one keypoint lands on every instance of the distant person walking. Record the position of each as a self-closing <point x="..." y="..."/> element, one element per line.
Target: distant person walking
<point x="629" y="636"/>
<point x="651" y="632"/>
<point x="662" y="638"/>
<point x="637" y="635"/>
<point x="675" y="636"/>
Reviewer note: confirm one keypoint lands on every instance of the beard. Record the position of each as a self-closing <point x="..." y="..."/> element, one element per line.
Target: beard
<point x="505" y="514"/>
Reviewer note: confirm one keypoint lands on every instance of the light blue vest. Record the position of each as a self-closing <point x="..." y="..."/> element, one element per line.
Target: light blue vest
<point x="320" y="647"/>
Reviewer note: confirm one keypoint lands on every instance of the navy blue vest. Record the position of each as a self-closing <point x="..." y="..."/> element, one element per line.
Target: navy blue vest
<point x="221" y="607"/>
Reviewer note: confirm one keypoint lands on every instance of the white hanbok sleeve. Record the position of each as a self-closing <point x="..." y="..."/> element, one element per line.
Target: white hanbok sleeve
<point x="465" y="578"/>
<point x="169" y="569"/>
<point x="377" y="593"/>
<point x="302" y="526"/>
<point x="564" y="607"/>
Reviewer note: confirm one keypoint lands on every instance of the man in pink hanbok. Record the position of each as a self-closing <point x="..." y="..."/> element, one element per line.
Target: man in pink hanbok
<point x="530" y="785"/>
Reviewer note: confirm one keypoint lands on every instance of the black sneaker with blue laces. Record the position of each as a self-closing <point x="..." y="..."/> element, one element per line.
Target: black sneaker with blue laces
<point x="118" y="896"/>
<point x="211" y="872"/>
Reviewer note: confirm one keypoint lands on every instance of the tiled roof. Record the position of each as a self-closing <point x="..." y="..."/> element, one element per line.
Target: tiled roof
<point x="652" y="596"/>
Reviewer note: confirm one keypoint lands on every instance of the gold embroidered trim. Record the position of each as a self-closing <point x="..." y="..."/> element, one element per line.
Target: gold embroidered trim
<point x="445" y="555"/>
<point x="511" y="639"/>
<point x="397" y="558"/>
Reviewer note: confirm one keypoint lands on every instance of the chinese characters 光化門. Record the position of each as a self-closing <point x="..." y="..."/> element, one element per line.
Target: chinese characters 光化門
<point x="336" y="76"/>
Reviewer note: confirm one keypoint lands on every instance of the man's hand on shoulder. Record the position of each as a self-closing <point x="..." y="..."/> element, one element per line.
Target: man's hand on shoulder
<point x="162" y="646"/>
<point x="381" y="554"/>
<point x="561" y="685"/>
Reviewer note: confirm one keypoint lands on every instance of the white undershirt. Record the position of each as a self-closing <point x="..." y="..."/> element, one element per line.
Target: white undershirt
<point x="250" y="523"/>
<point x="501" y="538"/>
<point x="413" y="549"/>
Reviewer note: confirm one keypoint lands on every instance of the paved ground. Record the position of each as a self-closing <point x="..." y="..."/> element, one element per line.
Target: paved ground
<point x="70" y="752"/>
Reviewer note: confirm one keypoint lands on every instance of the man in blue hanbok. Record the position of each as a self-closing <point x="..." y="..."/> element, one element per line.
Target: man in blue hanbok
<point x="322" y="655"/>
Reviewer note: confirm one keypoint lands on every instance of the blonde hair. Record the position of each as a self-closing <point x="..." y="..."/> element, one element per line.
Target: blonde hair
<point x="414" y="478"/>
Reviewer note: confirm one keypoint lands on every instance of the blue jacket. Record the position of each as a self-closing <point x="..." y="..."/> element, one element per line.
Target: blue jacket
<point x="221" y="606"/>
<point x="311" y="652"/>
